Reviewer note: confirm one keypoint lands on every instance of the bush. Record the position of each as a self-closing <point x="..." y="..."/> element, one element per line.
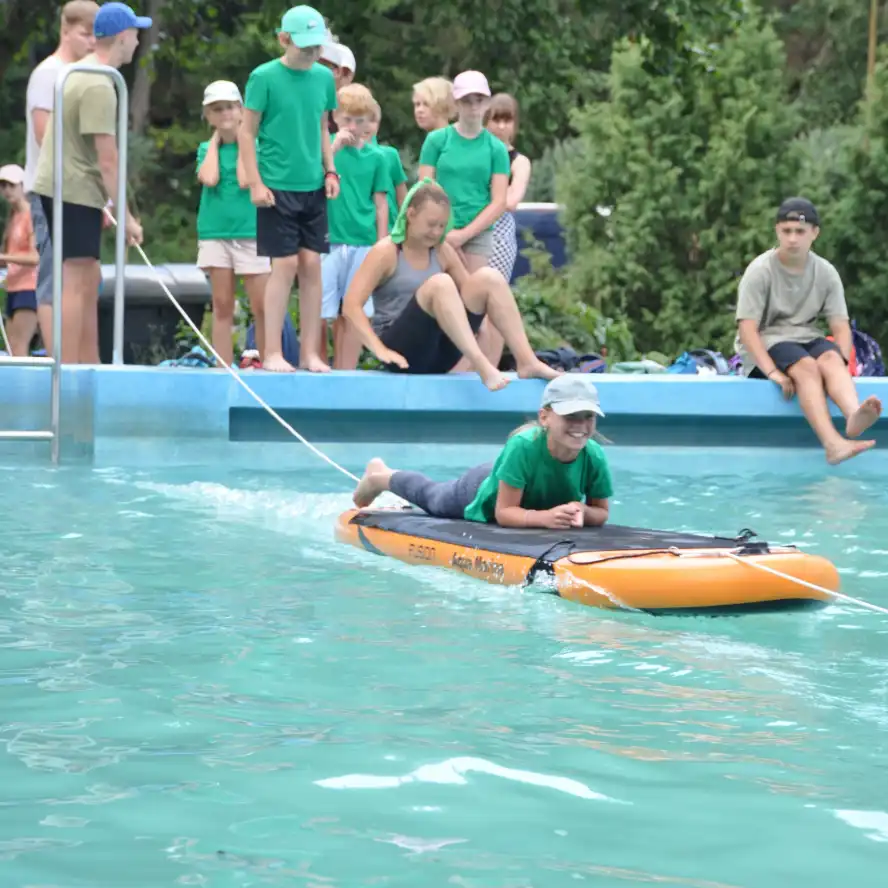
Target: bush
<point x="542" y="185"/>
<point x="555" y="316"/>
<point x="852" y="187"/>
<point x="693" y="170"/>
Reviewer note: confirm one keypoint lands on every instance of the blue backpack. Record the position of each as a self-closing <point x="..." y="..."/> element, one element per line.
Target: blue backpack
<point x="867" y="353"/>
<point x="566" y="358"/>
<point x="690" y="361"/>
<point x="289" y="340"/>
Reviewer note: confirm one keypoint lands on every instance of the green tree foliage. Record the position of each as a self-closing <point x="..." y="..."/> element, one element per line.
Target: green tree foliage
<point x="853" y="194"/>
<point x="826" y="48"/>
<point x="555" y="317"/>
<point x="550" y="53"/>
<point x="670" y="129"/>
<point x="674" y="189"/>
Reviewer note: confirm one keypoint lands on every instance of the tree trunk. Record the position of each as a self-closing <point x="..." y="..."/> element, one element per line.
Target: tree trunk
<point x="140" y="100"/>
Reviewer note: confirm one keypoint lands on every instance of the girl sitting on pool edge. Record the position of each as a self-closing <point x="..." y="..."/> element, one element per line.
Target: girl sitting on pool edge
<point x="427" y="308"/>
<point x="551" y="474"/>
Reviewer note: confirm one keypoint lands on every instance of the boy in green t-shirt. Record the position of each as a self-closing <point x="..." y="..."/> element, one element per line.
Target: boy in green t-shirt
<point x="550" y="475"/>
<point x="286" y="108"/>
<point x="226" y="220"/>
<point x="397" y="186"/>
<point x="358" y="217"/>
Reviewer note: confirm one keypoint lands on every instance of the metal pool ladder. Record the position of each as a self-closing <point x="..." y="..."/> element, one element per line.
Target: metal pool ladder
<point x="55" y="362"/>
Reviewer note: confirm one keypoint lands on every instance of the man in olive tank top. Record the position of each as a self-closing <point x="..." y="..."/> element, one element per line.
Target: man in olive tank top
<point x="783" y="295"/>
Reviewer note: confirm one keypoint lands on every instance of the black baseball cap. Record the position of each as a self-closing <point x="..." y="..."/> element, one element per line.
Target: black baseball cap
<point x="798" y="209"/>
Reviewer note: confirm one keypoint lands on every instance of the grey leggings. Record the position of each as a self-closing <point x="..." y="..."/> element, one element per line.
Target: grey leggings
<point x="441" y="499"/>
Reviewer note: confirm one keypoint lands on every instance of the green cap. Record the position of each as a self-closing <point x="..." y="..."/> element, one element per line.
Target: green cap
<point x="306" y="27"/>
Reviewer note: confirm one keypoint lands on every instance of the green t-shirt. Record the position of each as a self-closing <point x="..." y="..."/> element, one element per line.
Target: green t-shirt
<point x="525" y="463"/>
<point x="463" y="168"/>
<point x="363" y="172"/>
<point x="225" y="211"/>
<point x="397" y="177"/>
<point x="291" y="104"/>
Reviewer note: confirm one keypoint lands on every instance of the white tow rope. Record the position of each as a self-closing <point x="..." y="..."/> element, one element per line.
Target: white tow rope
<point x="5" y="338"/>
<point x="235" y="375"/>
<point x="777" y="573"/>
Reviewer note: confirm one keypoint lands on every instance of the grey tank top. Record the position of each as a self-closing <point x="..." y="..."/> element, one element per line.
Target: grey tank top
<point x="392" y="297"/>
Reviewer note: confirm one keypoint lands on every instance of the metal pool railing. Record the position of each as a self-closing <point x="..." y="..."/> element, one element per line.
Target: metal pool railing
<point x="55" y="361"/>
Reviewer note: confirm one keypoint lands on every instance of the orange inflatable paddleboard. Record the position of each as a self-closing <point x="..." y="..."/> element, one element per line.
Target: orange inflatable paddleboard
<point x="609" y="567"/>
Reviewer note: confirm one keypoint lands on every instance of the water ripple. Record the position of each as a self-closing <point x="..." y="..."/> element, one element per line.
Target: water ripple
<point x="201" y="688"/>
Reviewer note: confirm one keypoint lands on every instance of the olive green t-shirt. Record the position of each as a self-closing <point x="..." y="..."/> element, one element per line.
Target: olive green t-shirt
<point x="225" y="211"/>
<point x="89" y="109"/>
<point x="787" y="305"/>
<point x="363" y="172"/>
<point x="463" y="168"/>
<point x="292" y="104"/>
<point x="526" y="464"/>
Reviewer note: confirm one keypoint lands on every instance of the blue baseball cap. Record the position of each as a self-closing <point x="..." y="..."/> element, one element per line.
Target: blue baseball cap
<point x="115" y="18"/>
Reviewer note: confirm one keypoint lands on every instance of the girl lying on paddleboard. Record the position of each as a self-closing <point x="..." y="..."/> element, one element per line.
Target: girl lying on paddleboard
<point x="552" y="474"/>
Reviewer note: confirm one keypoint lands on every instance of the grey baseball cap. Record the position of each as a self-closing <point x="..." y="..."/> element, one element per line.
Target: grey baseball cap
<point x="572" y="393"/>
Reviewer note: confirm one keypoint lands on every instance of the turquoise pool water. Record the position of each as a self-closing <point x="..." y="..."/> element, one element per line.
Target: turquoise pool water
<point x="199" y="688"/>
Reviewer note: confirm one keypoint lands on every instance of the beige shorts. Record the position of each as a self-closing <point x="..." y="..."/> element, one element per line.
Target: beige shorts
<point x="239" y="255"/>
<point x="480" y="244"/>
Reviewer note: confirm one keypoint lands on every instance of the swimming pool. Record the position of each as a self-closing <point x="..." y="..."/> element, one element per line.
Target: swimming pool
<point x="200" y="689"/>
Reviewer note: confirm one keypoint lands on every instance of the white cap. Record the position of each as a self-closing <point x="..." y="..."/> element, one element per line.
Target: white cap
<point x="330" y="53"/>
<point x="347" y="59"/>
<point x="222" y="91"/>
<point x="13" y="173"/>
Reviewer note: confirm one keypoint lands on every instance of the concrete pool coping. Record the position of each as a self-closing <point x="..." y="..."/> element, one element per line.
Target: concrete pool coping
<point x="173" y="405"/>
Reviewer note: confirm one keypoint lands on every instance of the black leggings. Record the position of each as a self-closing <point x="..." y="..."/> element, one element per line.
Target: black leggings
<point x="441" y="499"/>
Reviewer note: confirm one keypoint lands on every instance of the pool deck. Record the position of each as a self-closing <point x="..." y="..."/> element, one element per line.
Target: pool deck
<point x="133" y="406"/>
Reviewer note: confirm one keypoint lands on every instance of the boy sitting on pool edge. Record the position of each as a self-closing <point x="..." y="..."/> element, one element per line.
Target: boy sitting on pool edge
<point x="782" y="294"/>
<point x="550" y="474"/>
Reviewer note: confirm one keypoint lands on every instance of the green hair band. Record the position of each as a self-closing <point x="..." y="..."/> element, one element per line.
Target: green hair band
<point x="399" y="229"/>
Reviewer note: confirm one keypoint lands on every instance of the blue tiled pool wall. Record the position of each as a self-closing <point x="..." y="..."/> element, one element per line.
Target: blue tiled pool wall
<point x="181" y="405"/>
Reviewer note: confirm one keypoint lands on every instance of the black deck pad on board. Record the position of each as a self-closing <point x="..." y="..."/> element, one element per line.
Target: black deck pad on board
<point x="538" y="543"/>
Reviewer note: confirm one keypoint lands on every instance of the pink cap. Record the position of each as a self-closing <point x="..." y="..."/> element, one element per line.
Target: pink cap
<point x="470" y="83"/>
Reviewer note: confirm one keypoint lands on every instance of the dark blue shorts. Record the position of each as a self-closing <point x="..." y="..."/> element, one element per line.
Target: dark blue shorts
<point x="81" y="229"/>
<point x="297" y="221"/>
<point x="21" y="300"/>
<point x="785" y="354"/>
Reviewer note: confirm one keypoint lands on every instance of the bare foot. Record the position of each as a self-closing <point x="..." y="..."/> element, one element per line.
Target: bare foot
<point x="846" y="450"/>
<point x="275" y="363"/>
<point x="537" y="370"/>
<point x="492" y="378"/>
<point x="375" y="481"/>
<point x="314" y="364"/>
<point x="863" y="417"/>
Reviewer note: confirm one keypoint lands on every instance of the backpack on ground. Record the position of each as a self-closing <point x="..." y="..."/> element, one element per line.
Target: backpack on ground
<point x="867" y="354"/>
<point x="566" y="359"/>
<point x="701" y="362"/>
